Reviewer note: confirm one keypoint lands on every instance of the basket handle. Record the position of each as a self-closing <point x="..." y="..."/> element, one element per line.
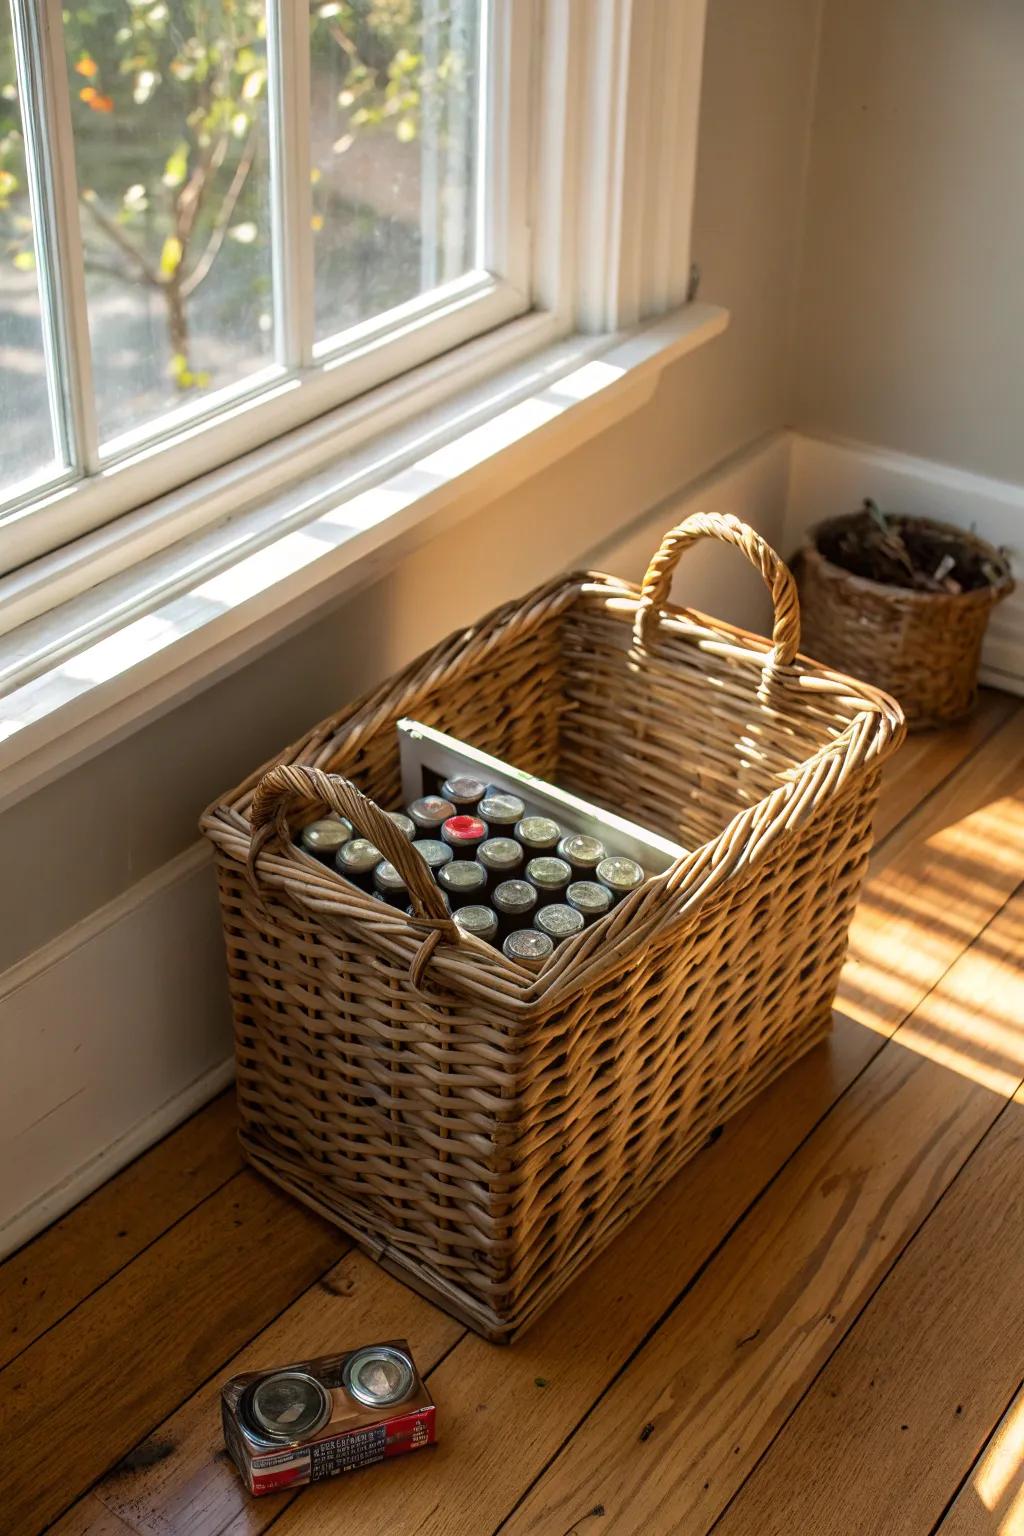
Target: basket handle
<point x="288" y="784"/>
<point x="719" y="525"/>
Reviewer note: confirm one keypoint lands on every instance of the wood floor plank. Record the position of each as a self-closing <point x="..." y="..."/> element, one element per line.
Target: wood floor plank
<point x="98" y="1381"/>
<point x="576" y="1350"/>
<point x="673" y="1440"/>
<point x="91" y="1518"/>
<point x="484" y="1391"/>
<point x="989" y="773"/>
<point x="952" y="866"/>
<point x="929" y="757"/>
<point x="991" y="1501"/>
<point x="467" y="1477"/>
<point x="43" y="1281"/>
<point x="179" y="1479"/>
<point x="885" y="1435"/>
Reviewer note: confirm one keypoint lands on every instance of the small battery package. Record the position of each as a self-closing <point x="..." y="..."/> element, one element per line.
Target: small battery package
<point x="300" y="1423"/>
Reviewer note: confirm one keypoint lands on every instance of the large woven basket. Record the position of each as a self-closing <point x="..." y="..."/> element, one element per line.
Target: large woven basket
<point x="483" y="1131"/>
<point x="924" y="648"/>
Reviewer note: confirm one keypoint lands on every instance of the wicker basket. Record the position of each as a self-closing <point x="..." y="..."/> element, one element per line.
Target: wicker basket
<point x="482" y="1131"/>
<point x="923" y="648"/>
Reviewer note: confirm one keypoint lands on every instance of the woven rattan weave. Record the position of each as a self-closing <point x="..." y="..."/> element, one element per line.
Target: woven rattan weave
<point x="924" y="648"/>
<point x="483" y="1131"/>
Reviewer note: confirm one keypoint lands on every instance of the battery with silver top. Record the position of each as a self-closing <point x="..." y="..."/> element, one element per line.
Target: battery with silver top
<point x="323" y="838"/>
<point x="464" y="792"/>
<point x="515" y="902"/>
<point x="538" y="834"/>
<point x="404" y="823"/>
<point x="529" y="947"/>
<point x="559" y="922"/>
<point x="550" y="875"/>
<point x="378" y="1376"/>
<point x="478" y="920"/>
<point x="463" y="881"/>
<point x="433" y="852"/>
<point x="290" y="1405"/>
<point x="311" y="1420"/>
<point x="429" y="814"/>
<point x="356" y="860"/>
<point x="389" y="885"/>
<point x="582" y="853"/>
<point x="502" y="857"/>
<point x="620" y="876"/>
<point x="590" y="899"/>
<point x="501" y="812"/>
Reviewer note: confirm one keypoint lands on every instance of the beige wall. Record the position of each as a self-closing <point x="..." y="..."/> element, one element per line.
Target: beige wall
<point x="910" y="329"/>
<point x="91" y="834"/>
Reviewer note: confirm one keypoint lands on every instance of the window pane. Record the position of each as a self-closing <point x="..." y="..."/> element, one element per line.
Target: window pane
<point x="27" y="444"/>
<point x="395" y="142"/>
<point x="169" y="102"/>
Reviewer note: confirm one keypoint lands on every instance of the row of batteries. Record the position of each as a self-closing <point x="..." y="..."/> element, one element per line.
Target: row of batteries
<point x="507" y="877"/>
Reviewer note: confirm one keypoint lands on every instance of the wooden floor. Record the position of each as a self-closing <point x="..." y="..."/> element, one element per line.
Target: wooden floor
<point x="819" y="1330"/>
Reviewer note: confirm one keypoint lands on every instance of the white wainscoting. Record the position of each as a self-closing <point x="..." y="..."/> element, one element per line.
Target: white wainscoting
<point x="828" y="477"/>
<point x="110" y="1036"/>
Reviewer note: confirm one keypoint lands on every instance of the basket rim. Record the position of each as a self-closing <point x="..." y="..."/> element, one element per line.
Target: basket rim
<point x="675" y="899"/>
<point x="979" y="597"/>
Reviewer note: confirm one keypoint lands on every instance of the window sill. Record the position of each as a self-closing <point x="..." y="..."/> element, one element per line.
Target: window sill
<point x="112" y="657"/>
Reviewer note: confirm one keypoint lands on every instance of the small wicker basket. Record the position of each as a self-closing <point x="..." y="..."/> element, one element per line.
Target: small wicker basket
<point x="923" y="648"/>
<point x="483" y="1131"/>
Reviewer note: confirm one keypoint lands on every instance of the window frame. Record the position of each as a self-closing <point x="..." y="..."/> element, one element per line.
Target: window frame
<point x="306" y="379"/>
<point x="604" y="173"/>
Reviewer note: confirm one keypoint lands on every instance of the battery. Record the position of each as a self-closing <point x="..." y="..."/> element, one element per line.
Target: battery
<point x="429" y="814"/>
<point x="305" y="1422"/>
<point x="356" y="860"/>
<point x="501" y="812"/>
<point x="463" y="835"/>
<point x="464" y="792"/>
<point x="583" y="853"/>
<point x="323" y="838"/>
<point x="538" y="834"/>
<point x="620" y="876"/>
<point x="434" y="853"/>
<point x="559" y="922"/>
<point x="463" y="881"/>
<point x="404" y="823"/>
<point x="591" y="899"/>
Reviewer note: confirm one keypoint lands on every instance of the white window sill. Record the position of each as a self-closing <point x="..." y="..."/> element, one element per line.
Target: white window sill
<point x="118" y="654"/>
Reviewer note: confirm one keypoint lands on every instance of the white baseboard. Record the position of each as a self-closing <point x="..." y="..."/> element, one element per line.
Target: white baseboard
<point x="828" y="477"/>
<point x="109" y="1037"/>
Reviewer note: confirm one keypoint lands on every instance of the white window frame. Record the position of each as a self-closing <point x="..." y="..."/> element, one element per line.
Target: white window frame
<point x="593" y="169"/>
<point x="199" y="436"/>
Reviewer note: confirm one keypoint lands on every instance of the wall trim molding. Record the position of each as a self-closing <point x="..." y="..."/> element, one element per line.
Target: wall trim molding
<point x="111" y="1034"/>
<point x="56" y="1202"/>
<point x="181" y="867"/>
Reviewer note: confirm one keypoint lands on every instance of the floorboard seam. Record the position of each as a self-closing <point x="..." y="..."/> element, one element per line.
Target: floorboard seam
<point x="979" y="1453"/>
<point x="198" y="1387"/>
<point x="698" y="1273"/>
<point x="119" y="1271"/>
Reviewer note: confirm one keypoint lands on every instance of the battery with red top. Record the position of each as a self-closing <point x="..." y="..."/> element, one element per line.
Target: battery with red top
<point x="464" y="834"/>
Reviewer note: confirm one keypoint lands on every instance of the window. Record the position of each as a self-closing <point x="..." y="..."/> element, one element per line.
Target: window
<point x="222" y="219"/>
<point x="219" y="218"/>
